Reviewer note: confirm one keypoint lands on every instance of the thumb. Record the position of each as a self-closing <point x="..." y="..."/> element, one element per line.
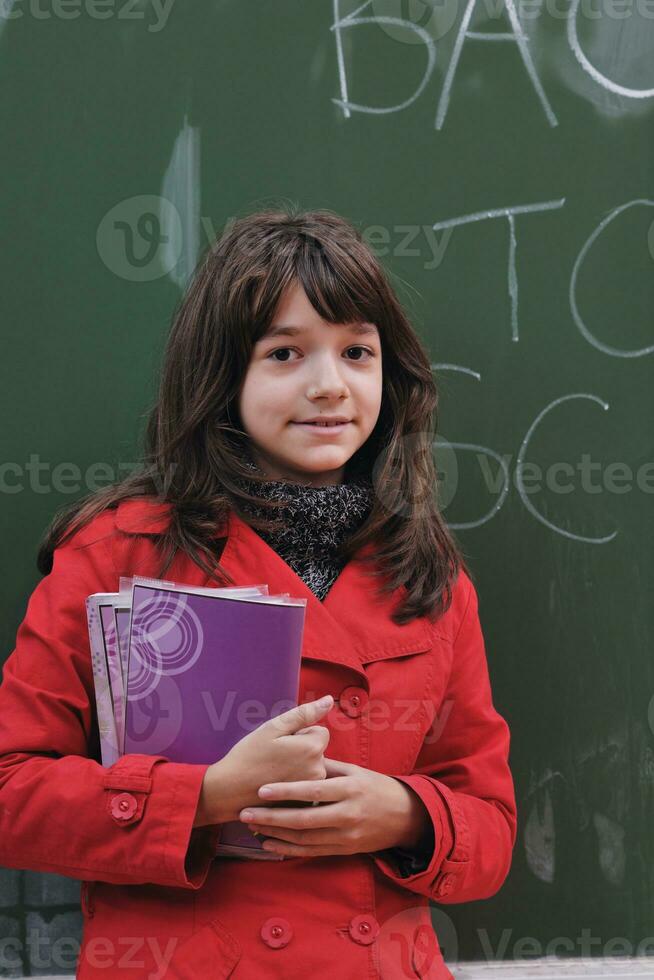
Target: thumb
<point x="302" y="716"/>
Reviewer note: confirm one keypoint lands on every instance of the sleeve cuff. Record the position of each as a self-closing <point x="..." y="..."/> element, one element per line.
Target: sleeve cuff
<point x="162" y="797"/>
<point x="415" y="867"/>
<point x="189" y="850"/>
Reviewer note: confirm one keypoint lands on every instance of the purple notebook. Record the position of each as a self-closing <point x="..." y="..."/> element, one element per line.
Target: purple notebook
<point x="205" y="668"/>
<point x="103" y="643"/>
<point x="122" y="614"/>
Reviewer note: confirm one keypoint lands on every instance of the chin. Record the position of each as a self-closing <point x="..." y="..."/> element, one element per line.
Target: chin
<point x="321" y="462"/>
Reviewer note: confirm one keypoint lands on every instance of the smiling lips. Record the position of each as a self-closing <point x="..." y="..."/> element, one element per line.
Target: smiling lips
<point x="333" y="427"/>
<point x="324" y="420"/>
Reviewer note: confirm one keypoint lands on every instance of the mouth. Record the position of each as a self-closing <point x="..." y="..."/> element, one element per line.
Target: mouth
<point x="324" y="427"/>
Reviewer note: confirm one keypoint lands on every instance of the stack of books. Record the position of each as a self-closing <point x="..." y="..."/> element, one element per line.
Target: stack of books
<point x="186" y="672"/>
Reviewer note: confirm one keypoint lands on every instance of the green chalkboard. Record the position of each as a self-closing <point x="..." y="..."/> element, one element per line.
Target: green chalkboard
<point x="499" y="157"/>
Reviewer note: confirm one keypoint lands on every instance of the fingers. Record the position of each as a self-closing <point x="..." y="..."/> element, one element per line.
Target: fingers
<point x="303" y="715"/>
<point x="326" y="835"/>
<point x="320" y="733"/>
<point x="306" y="818"/>
<point x="310" y="790"/>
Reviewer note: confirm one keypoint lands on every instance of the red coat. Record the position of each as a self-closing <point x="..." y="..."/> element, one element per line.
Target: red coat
<point x="155" y="903"/>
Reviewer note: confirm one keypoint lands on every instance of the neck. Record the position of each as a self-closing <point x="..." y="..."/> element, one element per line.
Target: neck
<point x="311" y="524"/>
<point x="272" y="473"/>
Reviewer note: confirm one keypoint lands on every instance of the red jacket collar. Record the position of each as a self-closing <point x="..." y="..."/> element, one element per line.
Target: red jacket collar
<point x="352" y="625"/>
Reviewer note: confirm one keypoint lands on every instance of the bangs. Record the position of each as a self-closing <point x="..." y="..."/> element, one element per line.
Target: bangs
<point x="339" y="287"/>
<point x="341" y="283"/>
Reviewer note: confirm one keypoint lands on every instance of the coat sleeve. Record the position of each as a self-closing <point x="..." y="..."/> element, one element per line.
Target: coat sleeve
<point x="463" y="778"/>
<point x="61" y="811"/>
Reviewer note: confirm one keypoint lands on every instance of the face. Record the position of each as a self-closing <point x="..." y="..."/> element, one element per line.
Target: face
<point x="305" y="368"/>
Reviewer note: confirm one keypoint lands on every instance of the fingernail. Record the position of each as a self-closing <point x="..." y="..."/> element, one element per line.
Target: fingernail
<point x="265" y="791"/>
<point x="324" y="701"/>
<point x="247" y="815"/>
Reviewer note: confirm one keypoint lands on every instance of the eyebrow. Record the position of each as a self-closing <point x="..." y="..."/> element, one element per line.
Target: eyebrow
<point x="360" y="329"/>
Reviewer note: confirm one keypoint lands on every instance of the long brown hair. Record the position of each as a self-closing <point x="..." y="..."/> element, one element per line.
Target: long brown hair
<point x="195" y="445"/>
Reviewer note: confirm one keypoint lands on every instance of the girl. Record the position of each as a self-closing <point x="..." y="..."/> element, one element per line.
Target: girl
<point x="290" y="444"/>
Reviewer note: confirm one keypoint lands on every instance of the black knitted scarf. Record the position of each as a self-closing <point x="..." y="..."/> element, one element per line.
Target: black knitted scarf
<point x="314" y="522"/>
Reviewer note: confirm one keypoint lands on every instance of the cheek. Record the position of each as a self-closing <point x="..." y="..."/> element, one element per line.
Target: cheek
<point x="265" y="403"/>
<point x="371" y="395"/>
<point x="250" y="410"/>
<point x="254" y="396"/>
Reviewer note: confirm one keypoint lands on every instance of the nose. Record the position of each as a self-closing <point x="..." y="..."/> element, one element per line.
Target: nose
<point x="326" y="380"/>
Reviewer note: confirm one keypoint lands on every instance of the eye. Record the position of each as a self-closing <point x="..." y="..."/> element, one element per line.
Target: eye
<point x="278" y="351"/>
<point x="364" y="349"/>
<point x="284" y="360"/>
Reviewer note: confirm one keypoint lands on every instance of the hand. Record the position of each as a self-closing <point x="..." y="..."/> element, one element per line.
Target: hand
<point x="271" y="751"/>
<point x="359" y="810"/>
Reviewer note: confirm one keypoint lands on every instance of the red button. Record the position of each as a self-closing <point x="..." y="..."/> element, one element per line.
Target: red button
<point x="123" y="806"/>
<point x="364" y="929"/>
<point x="352" y="701"/>
<point x="276" y="933"/>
